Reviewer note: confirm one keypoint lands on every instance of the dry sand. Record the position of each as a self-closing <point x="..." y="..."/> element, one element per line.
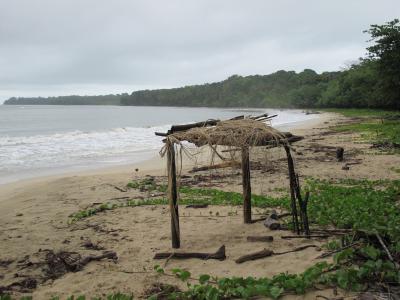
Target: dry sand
<point x="34" y="216"/>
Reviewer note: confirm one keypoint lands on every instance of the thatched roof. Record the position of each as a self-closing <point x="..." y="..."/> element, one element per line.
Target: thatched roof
<point x="235" y="132"/>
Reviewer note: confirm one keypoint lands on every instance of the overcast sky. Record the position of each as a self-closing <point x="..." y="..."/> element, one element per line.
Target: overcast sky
<point x="63" y="47"/>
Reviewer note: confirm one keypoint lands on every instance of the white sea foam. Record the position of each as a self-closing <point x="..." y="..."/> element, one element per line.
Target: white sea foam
<point x="59" y="149"/>
<point x="47" y="140"/>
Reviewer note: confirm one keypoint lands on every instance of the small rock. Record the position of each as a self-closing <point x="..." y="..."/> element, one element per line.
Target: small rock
<point x="19" y="214"/>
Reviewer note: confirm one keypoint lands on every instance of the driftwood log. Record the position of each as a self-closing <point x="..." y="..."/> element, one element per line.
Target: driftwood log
<point x="253" y="256"/>
<point x="266" y="253"/>
<point x="266" y="238"/>
<point x="175" y="128"/>
<point x="219" y="255"/>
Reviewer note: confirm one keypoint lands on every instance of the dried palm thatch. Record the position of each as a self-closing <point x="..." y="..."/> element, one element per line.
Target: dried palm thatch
<point x="235" y="133"/>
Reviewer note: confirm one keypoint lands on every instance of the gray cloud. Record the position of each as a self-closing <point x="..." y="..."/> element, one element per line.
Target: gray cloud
<point x="50" y="47"/>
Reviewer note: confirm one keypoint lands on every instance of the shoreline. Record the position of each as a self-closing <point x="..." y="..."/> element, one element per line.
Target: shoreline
<point x="152" y="165"/>
<point x="35" y="217"/>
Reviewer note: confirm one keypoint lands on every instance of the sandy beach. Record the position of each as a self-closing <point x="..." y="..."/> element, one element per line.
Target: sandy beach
<point x="34" y="218"/>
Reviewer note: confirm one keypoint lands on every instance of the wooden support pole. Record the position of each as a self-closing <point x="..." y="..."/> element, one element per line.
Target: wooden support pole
<point x="292" y="180"/>
<point x="339" y="153"/>
<point x="246" y="185"/>
<point x="173" y="195"/>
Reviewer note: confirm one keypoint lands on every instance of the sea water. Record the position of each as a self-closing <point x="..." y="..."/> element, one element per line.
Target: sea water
<point x="42" y="140"/>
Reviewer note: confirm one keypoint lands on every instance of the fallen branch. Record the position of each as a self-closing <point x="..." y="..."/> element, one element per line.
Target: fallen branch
<point x="216" y="166"/>
<point x="387" y="250"/>
<point x="297" y="249"/>
<point x="219" y="255"/>
<point x="197" y="206"/>
<point x="258" y="220"/>
<point x="323" y="255"/>
<point x="337" y="230"/>
<point x="253" y="256"/>
<point x="331" y="231"/>
<point x="118" y="188"/>
<point x="232" y="150"/>
<point x="115" y="198"/>
<point x="304" y="236"/>
<point x="84" y="261"/>
<point x="267" y="238"/>
<point x="266" y="253"/>
<point x="284" y="215"/>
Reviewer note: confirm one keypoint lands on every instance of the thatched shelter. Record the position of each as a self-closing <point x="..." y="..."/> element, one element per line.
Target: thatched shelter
<point x="240" y="132"/>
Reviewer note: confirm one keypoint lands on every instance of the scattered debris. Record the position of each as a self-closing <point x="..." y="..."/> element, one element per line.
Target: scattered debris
<point x="267" y="238"/>
<point x="160" y="290"/>
<point x="23" y="286"/>
<point x="272" y="222"/>
<point x="253" y="256"/>
<point x="219" y="255"/>
<point x="322" y="236"/>
<point x="6" y="262"/>
<point x="88" y="244"/>
<point x="266" y="253"/>
<point x="197" y="206"/>
<point x="226" y="164"/>
<point x="57" y="264"/>
<point x="386" y="145"/>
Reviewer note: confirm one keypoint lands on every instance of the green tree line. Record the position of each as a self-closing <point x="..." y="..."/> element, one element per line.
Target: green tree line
<point x="372" y="82"/>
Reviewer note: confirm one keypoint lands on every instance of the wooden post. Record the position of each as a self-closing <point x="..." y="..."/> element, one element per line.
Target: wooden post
<point x="173" y="195"/>
<point x="246" y="185"/>
<point x="292" y="180"/>
<point x="339" y="153"/>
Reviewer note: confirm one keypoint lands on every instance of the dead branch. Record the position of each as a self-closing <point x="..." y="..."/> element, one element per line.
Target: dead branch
<point x="297" y="249"/>
<point x="323" y="255"/>
<point x="196" y="205"/>
<point x="304" y="236"/>
<point x="267" y="238"/>
<point x="219" y="255"/>
<point x="253" y="256"/>
<point x="217" y="166"/>
<point x="387" y="250"/>
<point x="266" y="253"/>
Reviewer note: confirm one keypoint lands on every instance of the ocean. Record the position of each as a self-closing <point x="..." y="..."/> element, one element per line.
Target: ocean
<point x="45" y="140"/>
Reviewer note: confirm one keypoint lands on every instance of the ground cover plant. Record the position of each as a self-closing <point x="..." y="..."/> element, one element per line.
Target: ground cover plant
<point x="188" y="195"/>
<point x="379" y="127"/>
<point x="364" y="207"/>
<point x="367" y="207"/>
